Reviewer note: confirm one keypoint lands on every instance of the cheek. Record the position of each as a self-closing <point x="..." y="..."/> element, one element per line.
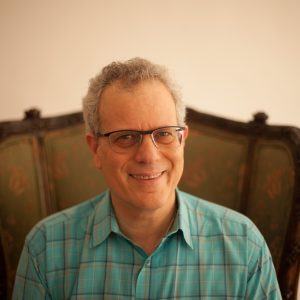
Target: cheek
<point x="177" y="163"/>
<point x="112" y="165"/>
<point x="180" y="163"/>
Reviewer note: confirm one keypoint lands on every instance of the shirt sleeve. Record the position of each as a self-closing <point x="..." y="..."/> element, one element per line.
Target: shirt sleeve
<point x="262" y="281"/>
<point x="29" y="281"/>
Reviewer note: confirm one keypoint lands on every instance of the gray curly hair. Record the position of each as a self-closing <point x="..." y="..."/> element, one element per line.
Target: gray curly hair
<point x="129" y="73"/>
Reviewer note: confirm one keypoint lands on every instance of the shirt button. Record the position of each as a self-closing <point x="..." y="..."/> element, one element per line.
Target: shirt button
<point x="148" y="263"/>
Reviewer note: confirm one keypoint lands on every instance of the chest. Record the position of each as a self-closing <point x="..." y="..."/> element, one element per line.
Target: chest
<point x="119" y="270"/>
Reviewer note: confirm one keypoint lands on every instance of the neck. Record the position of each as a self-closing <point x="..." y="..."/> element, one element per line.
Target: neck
<point x="147" y="228"/>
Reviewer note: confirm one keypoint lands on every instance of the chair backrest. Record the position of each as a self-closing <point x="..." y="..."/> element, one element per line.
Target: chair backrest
<point x="45" y="166"/>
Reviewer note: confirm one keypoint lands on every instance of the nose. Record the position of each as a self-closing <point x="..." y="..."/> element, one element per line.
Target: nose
<point x="147" y="151"/>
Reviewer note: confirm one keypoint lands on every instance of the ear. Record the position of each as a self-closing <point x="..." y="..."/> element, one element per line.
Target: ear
<point x="185" y="134"/>
<point x="94" y="147"/>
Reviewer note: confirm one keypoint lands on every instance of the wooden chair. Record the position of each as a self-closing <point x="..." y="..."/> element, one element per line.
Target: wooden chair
<point x="254" y="168"/>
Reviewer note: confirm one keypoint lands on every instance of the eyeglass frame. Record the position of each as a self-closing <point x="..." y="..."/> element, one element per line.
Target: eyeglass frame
<point x="141" y="132"/>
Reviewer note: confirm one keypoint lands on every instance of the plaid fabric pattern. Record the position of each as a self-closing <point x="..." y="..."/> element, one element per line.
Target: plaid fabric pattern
<point x="209" y="253"/>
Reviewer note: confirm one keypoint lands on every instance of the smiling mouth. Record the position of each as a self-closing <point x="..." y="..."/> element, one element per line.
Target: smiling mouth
<point x="147" y="176"/>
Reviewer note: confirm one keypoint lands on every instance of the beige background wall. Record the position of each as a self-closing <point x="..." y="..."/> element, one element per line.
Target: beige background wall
<point x="231" y="58"/>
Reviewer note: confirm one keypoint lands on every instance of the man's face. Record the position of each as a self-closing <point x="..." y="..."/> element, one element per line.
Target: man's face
<point x="146" y="178"/>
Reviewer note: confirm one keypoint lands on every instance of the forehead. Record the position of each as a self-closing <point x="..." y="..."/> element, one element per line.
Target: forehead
<point x="145" y="105"/>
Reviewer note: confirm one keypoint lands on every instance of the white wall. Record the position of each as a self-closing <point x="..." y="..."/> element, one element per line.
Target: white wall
<point x="231" y="58"/>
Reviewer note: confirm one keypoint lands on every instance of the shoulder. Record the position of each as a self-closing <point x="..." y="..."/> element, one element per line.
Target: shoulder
<point x="70" y="222"/>
<point x="207" y="218"/>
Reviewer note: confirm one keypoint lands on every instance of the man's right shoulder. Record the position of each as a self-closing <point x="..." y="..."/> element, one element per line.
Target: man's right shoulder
<point x="74" y="219"/>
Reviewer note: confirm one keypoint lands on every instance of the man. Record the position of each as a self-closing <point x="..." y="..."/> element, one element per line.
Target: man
<point x="143" y="238"/>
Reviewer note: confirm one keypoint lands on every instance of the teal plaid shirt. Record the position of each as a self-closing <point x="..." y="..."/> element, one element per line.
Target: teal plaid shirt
<point x="209" y="253"/>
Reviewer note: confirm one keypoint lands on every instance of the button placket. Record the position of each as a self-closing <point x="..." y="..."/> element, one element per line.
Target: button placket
<point x="143" y="281"/>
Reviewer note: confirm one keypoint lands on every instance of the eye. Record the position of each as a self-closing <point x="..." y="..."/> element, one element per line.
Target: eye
<point x="124" y="139"/>
<point x="164" y="136"/>
<point x="163" y="133"/>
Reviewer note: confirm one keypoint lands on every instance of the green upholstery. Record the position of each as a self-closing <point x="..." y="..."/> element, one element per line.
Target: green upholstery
<point x="46" y="166"/>
<point x="214" y="164"/>
<point x="72" y="174"/>
<point x="20" y="197"/>
<point x="271" y="193"/>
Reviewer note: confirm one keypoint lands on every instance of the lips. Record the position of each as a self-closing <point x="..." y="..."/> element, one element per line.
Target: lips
<point x="146" y="176"/>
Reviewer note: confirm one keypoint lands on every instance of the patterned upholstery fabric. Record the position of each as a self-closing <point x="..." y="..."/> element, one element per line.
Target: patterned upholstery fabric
<point x="20" y="197"/>
<point x="214" y="165"/>
<point x="72" y="174"/>
<point x="271" y="193"/>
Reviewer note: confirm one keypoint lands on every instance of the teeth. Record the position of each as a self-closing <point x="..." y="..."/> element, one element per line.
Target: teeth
<point x="145" y="177"/>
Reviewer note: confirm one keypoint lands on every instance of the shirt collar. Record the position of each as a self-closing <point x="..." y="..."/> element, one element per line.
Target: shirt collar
<point x="104" y="221"/>
<point x="183" y="220"/>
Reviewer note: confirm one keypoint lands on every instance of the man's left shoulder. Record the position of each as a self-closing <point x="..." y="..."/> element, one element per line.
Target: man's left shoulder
<point x="217" y="219"/>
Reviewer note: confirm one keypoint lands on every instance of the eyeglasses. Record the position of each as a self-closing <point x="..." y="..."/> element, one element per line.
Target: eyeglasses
<point x="124" y="141"/>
